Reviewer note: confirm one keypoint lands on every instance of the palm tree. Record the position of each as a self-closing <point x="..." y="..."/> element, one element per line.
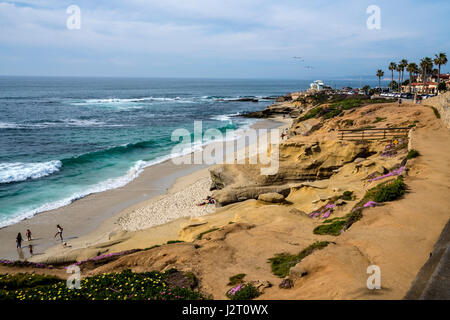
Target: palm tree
<point x="380" y="74"/>
<point x="412" y="68"/>
<point x="426" y="64"/>
<point x="439" y="60"/>
<point x="399" y="70"/>
<point x="392" y="68"/>
<point x="403" y="64"/>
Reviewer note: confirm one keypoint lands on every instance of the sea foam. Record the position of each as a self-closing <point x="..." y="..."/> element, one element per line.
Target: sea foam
<point x="19" y="171"/>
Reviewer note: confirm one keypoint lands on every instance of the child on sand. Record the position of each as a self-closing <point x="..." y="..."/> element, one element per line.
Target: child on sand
<point x="28" y="234"/>
<point x="60" y="231"/>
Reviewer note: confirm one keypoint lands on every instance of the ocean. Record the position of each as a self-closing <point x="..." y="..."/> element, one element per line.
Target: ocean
<point x="62" y="138"/>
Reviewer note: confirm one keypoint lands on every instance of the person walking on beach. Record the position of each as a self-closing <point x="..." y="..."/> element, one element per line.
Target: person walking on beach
<point x="19" y="240"/>
<point x="60" y="231"/>
<point x="28" y="234"/>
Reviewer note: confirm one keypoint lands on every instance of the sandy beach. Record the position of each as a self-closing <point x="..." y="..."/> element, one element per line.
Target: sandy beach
<point x="162" y="193"/>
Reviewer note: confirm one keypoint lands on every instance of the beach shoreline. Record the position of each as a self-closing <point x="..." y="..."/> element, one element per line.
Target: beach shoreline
<point x="94" y="217"/>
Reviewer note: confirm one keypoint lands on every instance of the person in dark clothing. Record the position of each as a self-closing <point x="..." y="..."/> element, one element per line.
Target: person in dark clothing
<point x="60" y="231"/>
<point x="28" y="234"/>
<point x="19" y="240"/>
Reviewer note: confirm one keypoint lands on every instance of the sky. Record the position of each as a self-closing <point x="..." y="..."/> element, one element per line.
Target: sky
<point x="219" y="38"/>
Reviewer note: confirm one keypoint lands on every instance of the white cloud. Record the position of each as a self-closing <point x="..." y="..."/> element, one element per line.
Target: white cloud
<point x="252" y="29"/>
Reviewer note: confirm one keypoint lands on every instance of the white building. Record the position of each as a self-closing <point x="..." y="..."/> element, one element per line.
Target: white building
<point x="317" y="85"/>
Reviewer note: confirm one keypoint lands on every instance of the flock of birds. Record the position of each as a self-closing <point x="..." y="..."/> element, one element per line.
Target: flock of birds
<point x="303" y="60"/>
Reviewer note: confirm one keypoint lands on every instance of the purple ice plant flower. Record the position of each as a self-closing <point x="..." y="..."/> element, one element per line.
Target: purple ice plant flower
<point x="395" y="172"/>
<point x="372" y="204"/>
<point x="326" y="214"/>
<point x="235" y="290"/>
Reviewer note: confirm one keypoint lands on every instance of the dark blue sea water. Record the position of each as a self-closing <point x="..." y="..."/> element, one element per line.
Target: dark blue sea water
<point x="64" y="138"/>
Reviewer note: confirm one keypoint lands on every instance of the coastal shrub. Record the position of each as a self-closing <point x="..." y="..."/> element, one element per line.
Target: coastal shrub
<point x="125" y="285"/>
<point x="311" y="114"/>
<point x="24" y="280"/>
<point x="329" y="113"/>
<point x="236" y="279"/>
<point x="318" y="245"/>
<point x="347" y="195"/>
<point x="412" y="154"/>
<point x="243" y="292"/>
<point x="390" y="191"/>
<point x="282" y="263"/>
<point x="200" y="236"/>
<point x="348" y="104"/>
<point x="436" y="112"/>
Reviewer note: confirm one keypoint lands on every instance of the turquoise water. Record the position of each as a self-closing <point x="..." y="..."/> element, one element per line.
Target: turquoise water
<point x="64" y="138"/>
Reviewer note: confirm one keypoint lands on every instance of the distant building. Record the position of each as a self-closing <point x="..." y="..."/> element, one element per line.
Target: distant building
<point x="318" y="86"/>
<point x="430" y="86"/>
<point x="418" y="87"/>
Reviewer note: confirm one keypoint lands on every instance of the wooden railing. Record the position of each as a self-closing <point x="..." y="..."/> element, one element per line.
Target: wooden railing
<point x="372" y="134"/>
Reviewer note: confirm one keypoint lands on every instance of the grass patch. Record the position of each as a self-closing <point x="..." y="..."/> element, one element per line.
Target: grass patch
<point x="412" y="154"/>
<point x="125" y="285"/>
<point x="379" y="119"/>
<point x="174" y="241"/>
<point x="236" y="279"/>
<point x="200" y="236"/>
<point x="334" y="228"/>
<point x="436" y="112"/>
<point x="283" y="262"/>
